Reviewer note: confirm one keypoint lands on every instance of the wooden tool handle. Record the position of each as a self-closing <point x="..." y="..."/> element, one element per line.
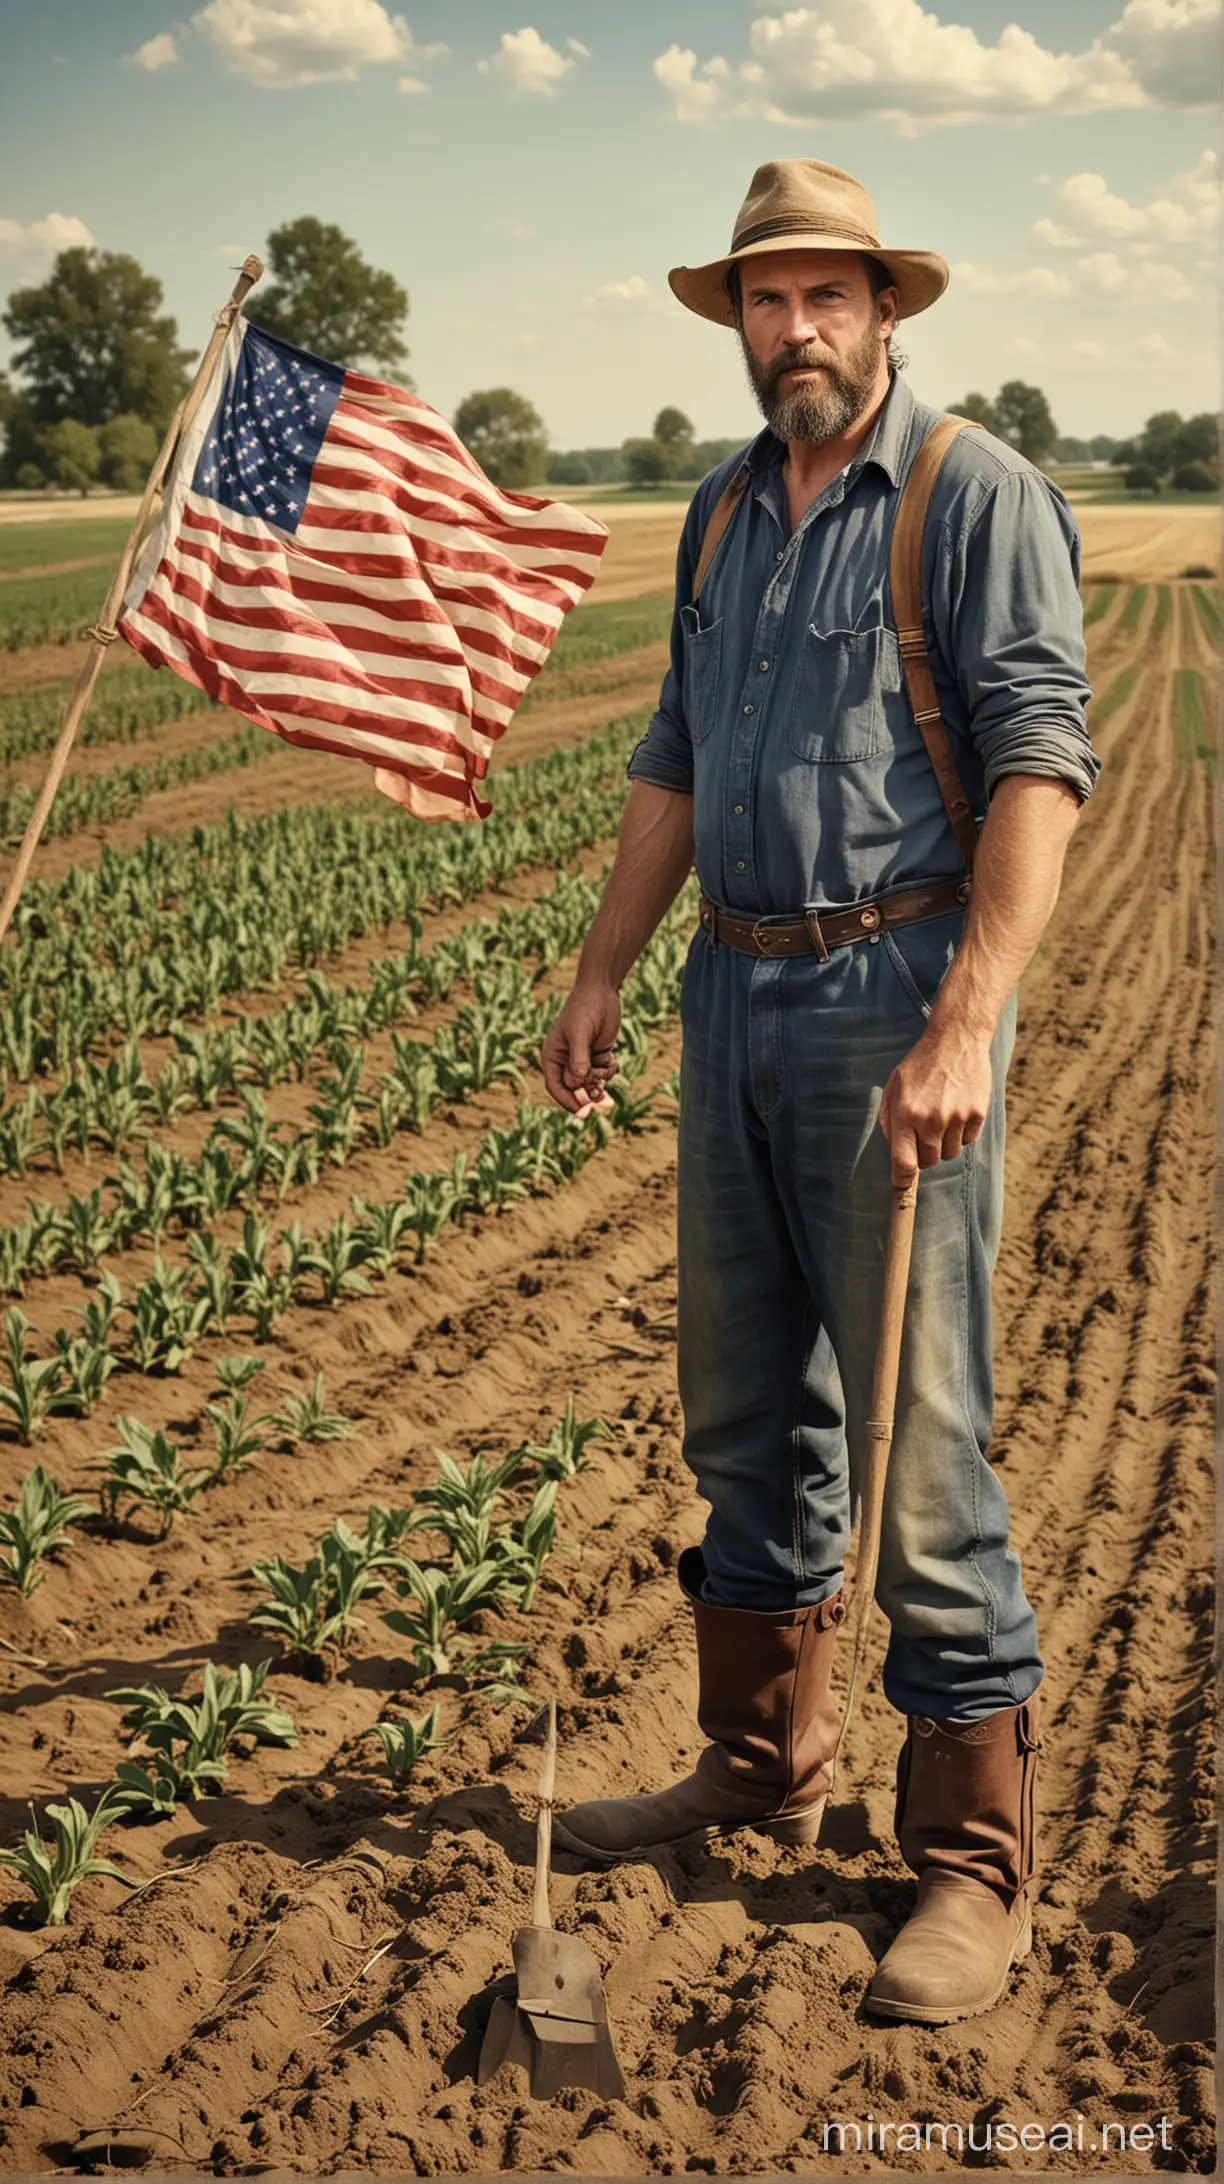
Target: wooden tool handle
<point x="540" y="1913"/>
<point x="880" y="1423"/>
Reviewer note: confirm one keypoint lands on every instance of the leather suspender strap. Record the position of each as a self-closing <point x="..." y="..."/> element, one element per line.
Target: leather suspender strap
<point x="720" y="516"/>
<point x="905" y="583"/>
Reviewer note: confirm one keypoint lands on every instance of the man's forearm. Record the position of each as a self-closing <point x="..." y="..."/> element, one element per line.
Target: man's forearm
<point x="654" y="855"/>
<point x="1016" y="878"/>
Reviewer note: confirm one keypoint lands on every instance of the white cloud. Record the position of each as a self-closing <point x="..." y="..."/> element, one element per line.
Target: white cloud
<point x="1156" y="347"/>
<point x="894" y="60"/>
<point x="1104" y="269"/>
<point x="527" y="63"/>
<point x="576" y="46"/>
<point x="40" y="239"/>
<point x="1036" y="280"/>
<point x="614" y="294"/>
<point x="1088" y="352"/>
<point x="155" y="53"/>
<point x="1163" y="284"/>
<point x="1172" y="47"/>
<point x="283" y="44"/>
<point x="1188" y="213"/>
<point x="1030" y="352"/>
<point x="412" y="83"/>
<point x="693" y="100"/>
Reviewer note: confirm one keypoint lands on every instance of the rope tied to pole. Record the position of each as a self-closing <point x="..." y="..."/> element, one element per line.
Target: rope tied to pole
<point x="101" y="634"/>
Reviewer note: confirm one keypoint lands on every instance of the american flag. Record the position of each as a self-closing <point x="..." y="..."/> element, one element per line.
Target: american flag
<point x="331" y="562"/>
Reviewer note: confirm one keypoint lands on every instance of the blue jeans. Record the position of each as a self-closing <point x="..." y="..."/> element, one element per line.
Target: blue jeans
<point x="784" y="1197"/>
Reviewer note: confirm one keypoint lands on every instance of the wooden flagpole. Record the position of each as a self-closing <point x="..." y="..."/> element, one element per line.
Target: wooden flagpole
<point x="104" y="631"/>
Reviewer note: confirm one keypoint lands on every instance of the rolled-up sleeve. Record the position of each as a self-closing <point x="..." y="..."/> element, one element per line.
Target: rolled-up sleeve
<point x="1014" y="632"/>
<point x="665" y="753"/>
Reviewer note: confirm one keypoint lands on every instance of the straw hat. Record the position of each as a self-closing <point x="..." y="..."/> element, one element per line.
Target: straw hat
<point x="804" y="204"/>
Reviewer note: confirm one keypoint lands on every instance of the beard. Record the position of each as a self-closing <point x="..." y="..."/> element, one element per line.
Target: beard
<point x="817" y="409"/>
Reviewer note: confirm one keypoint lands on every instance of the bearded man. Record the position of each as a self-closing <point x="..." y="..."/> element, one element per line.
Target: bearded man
<point x="848" y="1012"/>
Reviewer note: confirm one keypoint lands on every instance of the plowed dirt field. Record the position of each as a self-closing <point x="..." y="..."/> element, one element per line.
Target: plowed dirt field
<point x="300" y="1987"/>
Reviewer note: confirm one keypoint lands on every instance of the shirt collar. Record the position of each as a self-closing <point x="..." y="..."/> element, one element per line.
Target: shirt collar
<point x="885" y="443"/>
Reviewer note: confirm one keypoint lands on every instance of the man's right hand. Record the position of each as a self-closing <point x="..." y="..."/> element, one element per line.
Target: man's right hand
<point x="576" y="1054"/>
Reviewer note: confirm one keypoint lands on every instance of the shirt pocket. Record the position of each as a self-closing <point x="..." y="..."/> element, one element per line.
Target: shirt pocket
<point x="840" y="710"/>
<point x="702" y="658"/>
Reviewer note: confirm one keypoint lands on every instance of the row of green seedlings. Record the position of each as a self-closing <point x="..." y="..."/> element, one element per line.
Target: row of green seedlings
<point x="164" y="930"/>
<point x="174" y="1309"/>
<point x="49" y="610"/>
<point x="127" y="705"/>
<point x="93" y="799"/>
<point x="492" y="1565"/>
<point x="110" y="1103"/>
<point x="144" y="1470"/>
<point x="243" y="1157"/>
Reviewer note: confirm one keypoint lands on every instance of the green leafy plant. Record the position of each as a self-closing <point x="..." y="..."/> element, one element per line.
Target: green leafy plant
<point x="147" y="1468"/>
<point x="51" y="1877"/>
<point x="35" y="1385"/>
<point x="239" y="1439"/>
<point x="444" y="1601"/>
<point x="562" y="1455"/>
<point x="31" y="1530"/>
<point x="303" y="1418"/>
<point x="195" y="1735"/>
<point x="404" y="1743"/>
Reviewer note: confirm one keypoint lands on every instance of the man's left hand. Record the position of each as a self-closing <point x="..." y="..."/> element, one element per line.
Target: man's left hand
<point x="935" y="1100"/>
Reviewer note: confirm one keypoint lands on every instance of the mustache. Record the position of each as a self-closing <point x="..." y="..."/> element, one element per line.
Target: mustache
<point x="793" y="360"/>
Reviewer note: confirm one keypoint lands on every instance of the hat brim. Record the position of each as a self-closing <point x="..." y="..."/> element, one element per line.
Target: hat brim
<point x="920" y="276"/>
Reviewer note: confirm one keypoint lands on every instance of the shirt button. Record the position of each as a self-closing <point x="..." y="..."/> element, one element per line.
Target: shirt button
<point x="748" y="709"/>
<point x="739" y="864"/>
<point x="764" y="666"/>
<point x="739" y="807"/>
<point x="777" y="557"/>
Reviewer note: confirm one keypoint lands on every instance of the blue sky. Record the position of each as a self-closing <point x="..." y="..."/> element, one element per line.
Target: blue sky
<point x="531" y="171"/>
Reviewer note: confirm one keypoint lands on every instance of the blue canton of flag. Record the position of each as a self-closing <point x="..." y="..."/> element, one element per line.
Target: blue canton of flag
<point x="265" y="434"/>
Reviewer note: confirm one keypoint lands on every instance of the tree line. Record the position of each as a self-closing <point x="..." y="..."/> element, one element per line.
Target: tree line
<point x="99" y="372"/>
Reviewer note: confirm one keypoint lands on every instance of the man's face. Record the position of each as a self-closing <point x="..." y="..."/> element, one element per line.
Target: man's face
<point x="813" y="337"/>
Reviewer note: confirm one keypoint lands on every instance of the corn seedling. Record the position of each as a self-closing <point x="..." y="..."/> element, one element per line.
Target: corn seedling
<point x="168" y="1320"/>
<point x="86" y="1366"/>
<point x="303" y="1418"/>
<point x="298" y="1609"/>
<point x="239" y="1439"/>
<point x="34" y="1527"/>
<point x="214" y="1284"/>
<point x="562" y="1456"/>
<point x="148" y="1468"/>
<point x="236" y="1373"/>
<point x="340" y="1257"/>
<point x="51" y="1876"/>
<point x="195" y="1734"/>
<point x="35" y="1389"/>
<point x="404" y="1743"/>
<point x="445" y="1600"/>
<point x="525" y="1550"/>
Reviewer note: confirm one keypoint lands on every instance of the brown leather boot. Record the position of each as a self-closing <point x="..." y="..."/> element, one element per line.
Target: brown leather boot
<point x="966" y="1824"/>
<point x="764" y="1703"/>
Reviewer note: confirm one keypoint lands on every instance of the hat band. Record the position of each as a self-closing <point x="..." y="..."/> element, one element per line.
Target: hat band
<point x="799" y="223"/>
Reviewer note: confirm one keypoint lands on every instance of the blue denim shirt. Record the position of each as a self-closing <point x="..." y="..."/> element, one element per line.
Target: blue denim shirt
<point x="784" y="712"/>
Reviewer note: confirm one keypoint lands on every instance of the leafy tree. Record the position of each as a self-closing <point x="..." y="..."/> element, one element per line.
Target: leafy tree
<point x="645" y="462"/>
<point x="1143" y="478"/>
<point x="128" y="447"/>
<point x="671" y="428"/>
<point x="90" y="343"/>
<point x="506" y="434"/>
<point x="709" y="453"/>
<point x="569" y="470"/>
<point x="980" y="408"/>
<point x="1198" y="440"/>
<point x="1194" y="478"/>
<point x="1101" y="447"/>
<point x="1024" y="419"/>
<point x="72" y="454"/>
<point x="324" y="297"/>
<point x="8" y="398"/>
<point x="1158" y="440"/>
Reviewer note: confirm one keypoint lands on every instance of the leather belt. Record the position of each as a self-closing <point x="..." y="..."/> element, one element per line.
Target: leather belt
<point x="819" y="930"/>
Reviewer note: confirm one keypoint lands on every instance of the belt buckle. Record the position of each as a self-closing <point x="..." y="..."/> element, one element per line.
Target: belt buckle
<point x="759" y="934"/>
